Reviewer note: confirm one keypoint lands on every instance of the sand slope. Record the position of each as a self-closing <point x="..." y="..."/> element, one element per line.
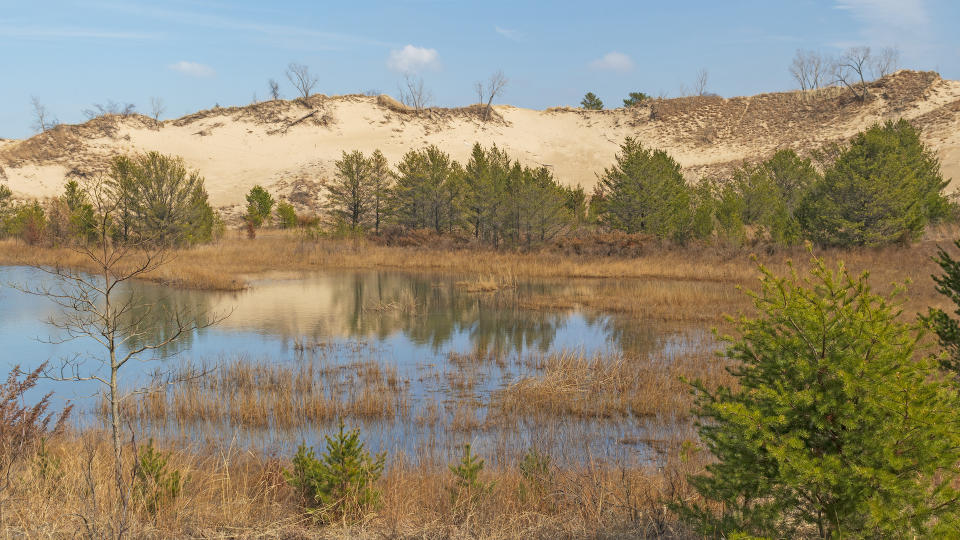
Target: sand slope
<point x="290" y="146"/>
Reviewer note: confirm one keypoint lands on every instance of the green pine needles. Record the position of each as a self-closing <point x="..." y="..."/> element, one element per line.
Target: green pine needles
<point x="340" y="484"/>
<point x="468" y="488"/>
<point x="840" y="427"/>
<point x="155" y="484"/>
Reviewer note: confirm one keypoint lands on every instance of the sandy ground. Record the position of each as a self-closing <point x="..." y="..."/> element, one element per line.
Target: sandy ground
<point x="290" y="146"/>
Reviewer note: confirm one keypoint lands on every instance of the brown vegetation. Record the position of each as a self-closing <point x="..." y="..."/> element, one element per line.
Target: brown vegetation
<point x="242" y="494"/>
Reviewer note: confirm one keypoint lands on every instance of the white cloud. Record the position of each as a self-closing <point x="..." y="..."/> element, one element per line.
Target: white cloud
<point x="193" y="69"/>
<point x="513" y="35"/>
<point x="412" y="59"/>
<point x="613" y="61"/>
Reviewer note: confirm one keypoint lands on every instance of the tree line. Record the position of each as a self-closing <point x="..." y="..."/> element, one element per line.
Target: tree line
<point x="491" y="197"/>
<point x="146" y="198"/>
<point x="880" y="188"/>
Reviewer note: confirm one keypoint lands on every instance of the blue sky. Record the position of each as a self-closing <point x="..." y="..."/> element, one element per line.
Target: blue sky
<point x="195" y="54"/>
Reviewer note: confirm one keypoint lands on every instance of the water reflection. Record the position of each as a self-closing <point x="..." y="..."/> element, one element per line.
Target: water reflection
<point x="447" y="346"/>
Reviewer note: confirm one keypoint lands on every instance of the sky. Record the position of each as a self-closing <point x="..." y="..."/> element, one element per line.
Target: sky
<point x="195" y="54"/>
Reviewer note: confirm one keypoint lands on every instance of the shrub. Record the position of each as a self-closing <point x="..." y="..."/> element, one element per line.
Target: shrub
<point x="883" y="188"/>
<point x="24" y="427"/>
<point x="837" y="428"/>
<point x="28" y="222"/>
<point x="154" y="484"/>
<point x="339" y="485"/>
<point x="286" y="215"/>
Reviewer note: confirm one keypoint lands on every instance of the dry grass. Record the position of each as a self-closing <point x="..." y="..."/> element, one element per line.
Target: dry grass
<point x="242" y="494"/>
<point x="262" y="395"/>
<point x="611" y="386"/>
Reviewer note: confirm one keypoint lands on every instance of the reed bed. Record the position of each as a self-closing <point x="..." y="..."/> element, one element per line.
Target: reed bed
<point x="615" y="385"/>
<point x="261" y="395"/>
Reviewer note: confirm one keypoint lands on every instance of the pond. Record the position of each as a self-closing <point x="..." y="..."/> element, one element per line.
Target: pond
<point x="414" y="360"/>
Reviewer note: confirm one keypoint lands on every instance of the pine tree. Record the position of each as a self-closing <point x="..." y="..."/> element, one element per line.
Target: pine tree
<point x="591" y="102"/>
<point x="350" y="195"/>
<point x="645" y="192"/>
<point x="947" y="328"/>
<point x="339" y="485"/>
<point x="381" y="181"/>
<point x="635" y="98"/>
<point x="839" y="425"/>
<point x="428" y="191"/>
<point x="883" y="188"/>
<point x="259" y="205"/>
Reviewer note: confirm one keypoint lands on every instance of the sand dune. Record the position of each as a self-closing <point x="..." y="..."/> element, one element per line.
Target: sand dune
<point x="290" y="146"/>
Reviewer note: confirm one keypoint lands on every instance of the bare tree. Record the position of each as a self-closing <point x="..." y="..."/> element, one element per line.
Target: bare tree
<point x="809" y="69"/>
<point x="301" y="78"/>
<point x="850" y="70"/>
<point x="95" y="306"/>
<point x="42" y="119"/>
<point x="110" y="108"/>
<point x="487" y="93"/>
<point x="700" y="84"/>
<point x="885" y="62"/>
<point x="157" y="107"/>
<point x="274" y="89"/>
<point x="414" y="94"/>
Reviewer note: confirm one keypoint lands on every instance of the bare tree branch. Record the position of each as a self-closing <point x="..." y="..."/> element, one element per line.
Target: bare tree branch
<point x="413" y="93"/>
<point x="42" y="119"/>
<point x="157" y="108"/>
<point x="487" y="93"/>
<point x="301" y="79"/>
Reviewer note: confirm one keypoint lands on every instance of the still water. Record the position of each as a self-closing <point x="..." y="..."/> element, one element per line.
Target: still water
<point x="415" y="324"/>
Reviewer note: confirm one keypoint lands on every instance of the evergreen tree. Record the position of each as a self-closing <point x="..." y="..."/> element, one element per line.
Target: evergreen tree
<point x="259" y="205"/>
<point x="591" y="102"/>
<point x="350" y="195"/>
<point x="838" y="426"/>
<point x="645" y="192"/>
<point x="485" y="181"/>
<point x="341" y="483"/>
<point x="160" y="201"/>
<point x="635" y="98"/>
<point x="286" y="215"/>
<point x="381" y="181"/>
<point x="883" y="188"/>
<point x="428" y="191"/>
<point x="946" y="327"/>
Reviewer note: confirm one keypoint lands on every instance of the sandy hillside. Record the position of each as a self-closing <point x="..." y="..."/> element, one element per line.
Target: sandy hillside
<point x="290" y="146"/>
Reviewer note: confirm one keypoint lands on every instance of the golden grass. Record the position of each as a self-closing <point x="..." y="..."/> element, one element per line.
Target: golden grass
<point x="617" y="385"/>
<point x="262" y="395"/>
<point x="242" y="494"/>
